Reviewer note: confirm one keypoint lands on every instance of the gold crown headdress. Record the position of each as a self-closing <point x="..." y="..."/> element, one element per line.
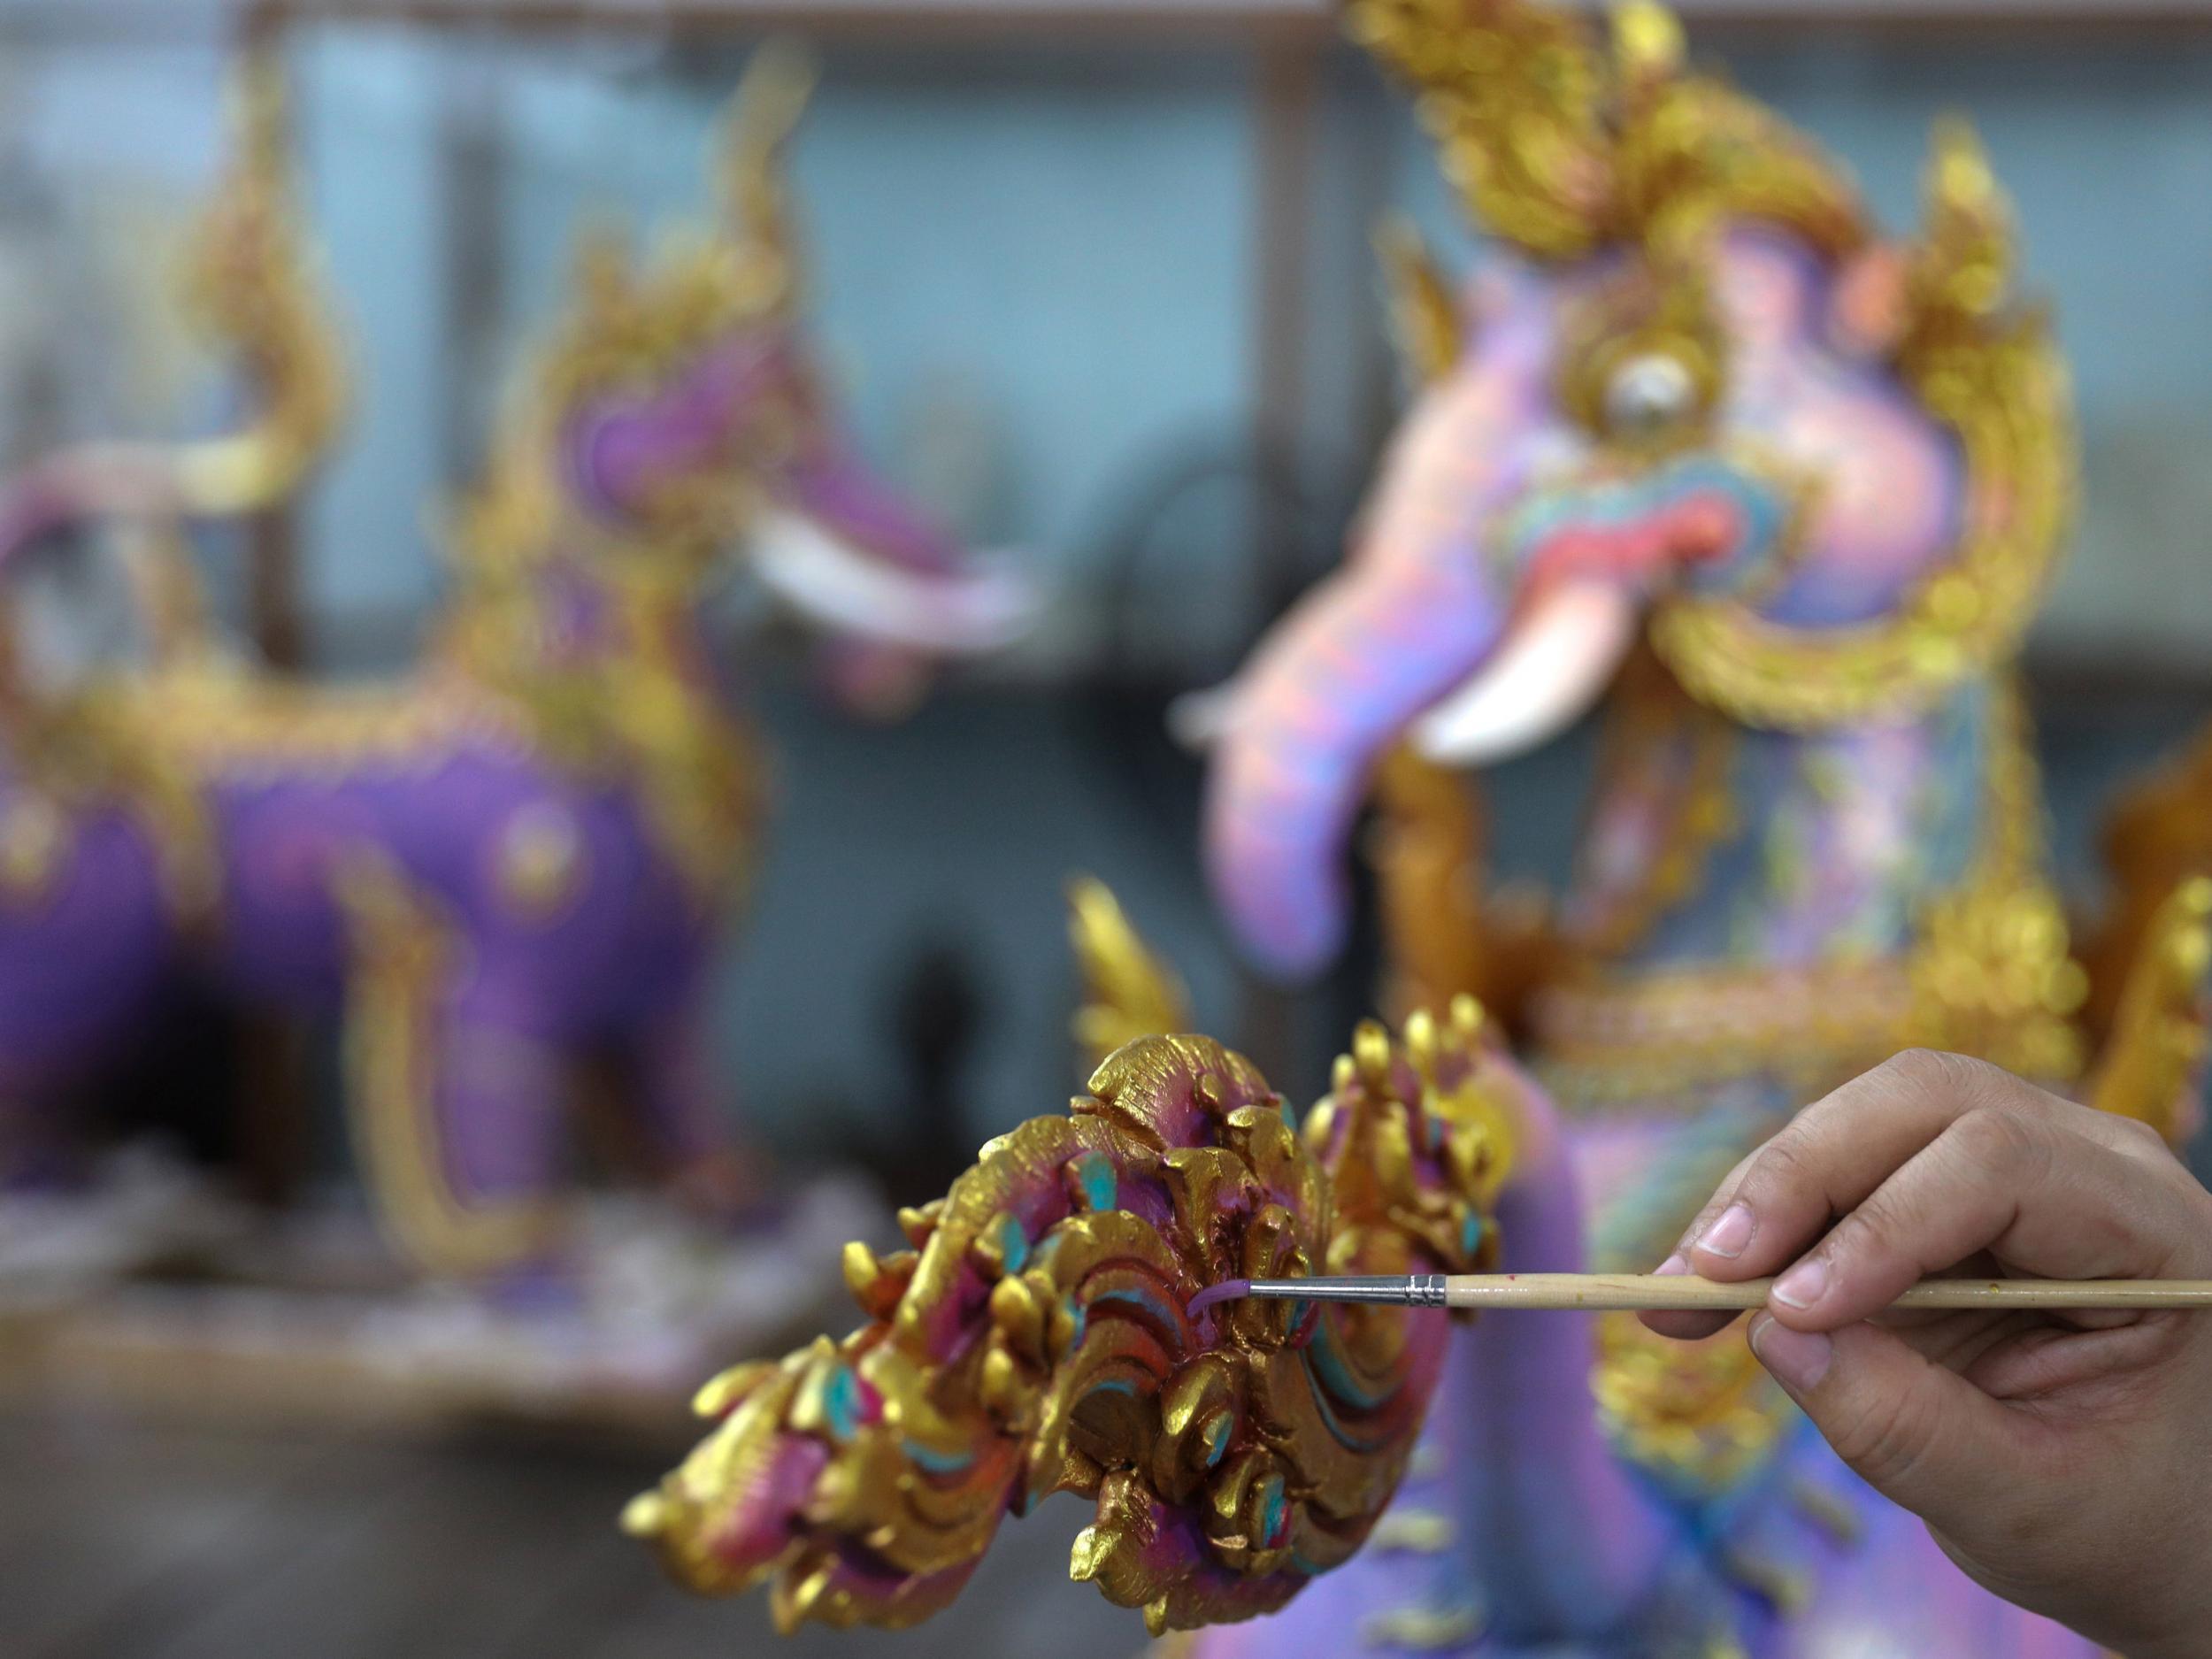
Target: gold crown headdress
<point x="1565" y="153"/>
<point x="628" y="327"/>
<point x="1562" y="152"/>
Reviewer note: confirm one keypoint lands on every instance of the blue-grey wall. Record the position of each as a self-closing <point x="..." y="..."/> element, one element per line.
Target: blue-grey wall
<point x="1055" y="250"/>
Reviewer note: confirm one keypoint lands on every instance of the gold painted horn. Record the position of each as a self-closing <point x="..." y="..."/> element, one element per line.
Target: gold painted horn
<point x="778" y="84"/>
<point x="1516" y="98"/>
<point x="252" y="280"/>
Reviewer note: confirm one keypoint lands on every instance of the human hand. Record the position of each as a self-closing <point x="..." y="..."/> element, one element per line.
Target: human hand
<point x="2065" y="1461"/>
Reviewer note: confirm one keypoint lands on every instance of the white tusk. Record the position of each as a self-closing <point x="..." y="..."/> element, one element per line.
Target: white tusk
<point x="834" y="584"/>
<point x="1197" y="720"/>
<point x="1557" y="661"/>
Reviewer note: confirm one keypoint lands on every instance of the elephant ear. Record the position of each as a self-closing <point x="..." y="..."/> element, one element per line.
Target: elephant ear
<point x="1425" y="321"/>
<point x="1036" y="1340"/>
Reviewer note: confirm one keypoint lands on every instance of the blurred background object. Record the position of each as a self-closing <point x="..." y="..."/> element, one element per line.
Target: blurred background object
<point x="1096" y="281"/>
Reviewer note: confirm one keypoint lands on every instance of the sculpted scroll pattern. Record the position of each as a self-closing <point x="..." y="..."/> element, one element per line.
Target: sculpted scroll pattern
<point x="1034" y="1340"/>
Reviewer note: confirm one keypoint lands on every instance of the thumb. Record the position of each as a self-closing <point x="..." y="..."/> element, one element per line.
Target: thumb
<point x="1917" y="1432"/>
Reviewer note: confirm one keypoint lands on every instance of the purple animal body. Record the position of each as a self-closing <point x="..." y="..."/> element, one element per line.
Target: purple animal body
<point x="524" y="852"/>
<point x="1807" y="487"/>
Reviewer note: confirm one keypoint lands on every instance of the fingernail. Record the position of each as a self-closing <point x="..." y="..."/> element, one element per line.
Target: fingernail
<point x="1728" y="1236"/>
<point x="1673" y="1267"/>
<point x="1803" y="1284"/>
<point x="1797" y="1359"/>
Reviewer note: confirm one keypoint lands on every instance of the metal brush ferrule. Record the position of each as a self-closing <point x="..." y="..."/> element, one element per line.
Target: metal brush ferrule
<point x="1424" y="1290"/>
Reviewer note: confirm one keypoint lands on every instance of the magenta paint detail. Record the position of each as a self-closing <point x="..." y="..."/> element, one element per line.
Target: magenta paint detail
<point x="1214" y="1295"/>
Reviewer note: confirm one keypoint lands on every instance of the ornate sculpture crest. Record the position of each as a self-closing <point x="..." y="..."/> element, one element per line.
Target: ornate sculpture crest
<point x="1034" y="1340"/>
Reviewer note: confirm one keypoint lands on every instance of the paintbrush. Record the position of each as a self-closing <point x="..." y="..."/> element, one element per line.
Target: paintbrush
<point x="1628" y="1293"/>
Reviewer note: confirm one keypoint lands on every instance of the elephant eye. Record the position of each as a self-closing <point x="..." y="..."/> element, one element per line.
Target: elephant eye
<point x="1648" y="396"/>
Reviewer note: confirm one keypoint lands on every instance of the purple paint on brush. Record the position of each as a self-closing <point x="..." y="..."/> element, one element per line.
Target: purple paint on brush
<point x="1214" y="1295"/>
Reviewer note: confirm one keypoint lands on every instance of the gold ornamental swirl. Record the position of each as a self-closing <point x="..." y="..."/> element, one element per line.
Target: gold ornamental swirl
<point x="1035" y="1339"/>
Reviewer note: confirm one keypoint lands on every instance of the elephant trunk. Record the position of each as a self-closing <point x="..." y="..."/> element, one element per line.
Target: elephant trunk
<point x="1367" y="655"/>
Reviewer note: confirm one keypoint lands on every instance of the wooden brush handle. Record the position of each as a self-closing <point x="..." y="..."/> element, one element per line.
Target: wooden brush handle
<point x="1630" y="1293"/>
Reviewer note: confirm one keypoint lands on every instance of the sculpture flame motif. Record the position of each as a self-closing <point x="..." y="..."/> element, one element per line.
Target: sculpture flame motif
<point x="1035" y="1340"/>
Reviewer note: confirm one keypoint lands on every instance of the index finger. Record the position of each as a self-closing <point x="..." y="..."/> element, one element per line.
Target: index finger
<point x="1839" y="1151"/>
<point x="2040" y="1194"/>
<point x="1830" y="1158"/>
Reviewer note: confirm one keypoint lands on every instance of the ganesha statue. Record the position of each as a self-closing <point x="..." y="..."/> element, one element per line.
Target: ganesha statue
<point x="526" y="852"/>
<point x="1696" y="449"/>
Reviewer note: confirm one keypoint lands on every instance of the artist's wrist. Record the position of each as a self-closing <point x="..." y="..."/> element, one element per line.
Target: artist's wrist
<point x="2180" y="1631"/>
<point x="2194" y="1644"/>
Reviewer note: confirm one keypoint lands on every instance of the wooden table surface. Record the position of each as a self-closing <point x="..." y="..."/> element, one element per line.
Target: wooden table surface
<point x="121" y="1540"/>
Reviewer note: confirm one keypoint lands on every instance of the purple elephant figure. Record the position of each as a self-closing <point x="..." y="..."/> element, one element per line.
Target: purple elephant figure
<point x="526" y="851"/>
<point x="1781" y="500"/>
<point x="1696" y="446"/>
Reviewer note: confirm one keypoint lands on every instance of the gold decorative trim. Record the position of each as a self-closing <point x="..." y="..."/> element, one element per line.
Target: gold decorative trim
<point x="1411" y="1532"/>
<point x="1699" y="1415"/>
<point x="1426" y="320"/>
<point x="1424" y="1629"/>
<point x="220" y="719"/>
<point x="2152" y="1067"/>
<point x="1989" y="974"/>
<point x="1656" y="1041"/>
<point x="403" y="967"/>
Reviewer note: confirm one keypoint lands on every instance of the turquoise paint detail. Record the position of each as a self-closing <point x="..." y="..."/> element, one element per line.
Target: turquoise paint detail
<point x="1218" y="1440"/>
<point x="1013" y="1243"/>
<point x="1327" y="1357"/>
<point x="1100" y="1181"/>
<point x="1272" y="1515"/>
<point x="1144" y="1299"/>
<point x="938" y="1462"/>
<point x="841" y="1400"/>
<point x="1326" y="1373"/>
<point x="1470" y="1231"/>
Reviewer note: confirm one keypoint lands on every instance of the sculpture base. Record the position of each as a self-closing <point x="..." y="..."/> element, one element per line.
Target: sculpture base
<point x="151" y="1291"/>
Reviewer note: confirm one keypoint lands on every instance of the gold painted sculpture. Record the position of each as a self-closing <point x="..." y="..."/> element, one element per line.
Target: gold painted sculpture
<point x="1035" y="1340"/>
<point x="520" y="854"/>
